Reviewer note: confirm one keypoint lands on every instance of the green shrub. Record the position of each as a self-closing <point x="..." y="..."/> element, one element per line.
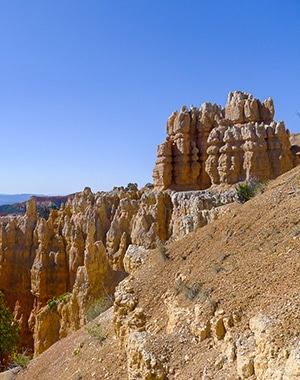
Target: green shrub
<point x="9" y="332"/>
<point x="63" y="297"/>
<point x="21" y="359"/>
<point x="248" y="190"/>
<point x="54" y="301"/>
<point x="245" y="192"/>
<point x="77" y="351"/>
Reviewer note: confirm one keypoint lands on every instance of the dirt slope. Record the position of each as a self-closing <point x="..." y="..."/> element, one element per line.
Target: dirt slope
<point x="245" y="263"/>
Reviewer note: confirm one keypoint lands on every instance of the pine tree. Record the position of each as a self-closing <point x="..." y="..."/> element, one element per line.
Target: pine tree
<point x="9" y="331"/>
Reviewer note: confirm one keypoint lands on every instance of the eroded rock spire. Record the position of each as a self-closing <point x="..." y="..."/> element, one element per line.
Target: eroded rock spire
<point x="209" y="145"/>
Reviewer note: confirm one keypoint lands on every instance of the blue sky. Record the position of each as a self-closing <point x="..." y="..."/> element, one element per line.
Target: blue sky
<point x="86" y="87"/>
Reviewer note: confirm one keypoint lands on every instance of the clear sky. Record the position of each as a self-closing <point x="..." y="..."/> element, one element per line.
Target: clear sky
<point x="86" y="86"/>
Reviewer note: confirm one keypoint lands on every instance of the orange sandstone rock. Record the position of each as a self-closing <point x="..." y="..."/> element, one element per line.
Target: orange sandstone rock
<point x="211" y="146"/>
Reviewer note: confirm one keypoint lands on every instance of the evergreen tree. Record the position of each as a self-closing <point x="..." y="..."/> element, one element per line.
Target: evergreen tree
<point x="9" y="331"/>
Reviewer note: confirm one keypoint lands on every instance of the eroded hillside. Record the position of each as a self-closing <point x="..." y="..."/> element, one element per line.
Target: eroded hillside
<point x="203" y="287"/>
<point x="76" y="255"/>
<point x="222" y="302"/>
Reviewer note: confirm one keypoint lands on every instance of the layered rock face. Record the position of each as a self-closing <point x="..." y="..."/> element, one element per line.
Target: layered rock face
<point x="209" y="145"/>
<point x="77" y="255"/>
<point x="83" y="251"/>
<point x="235" y="352"/>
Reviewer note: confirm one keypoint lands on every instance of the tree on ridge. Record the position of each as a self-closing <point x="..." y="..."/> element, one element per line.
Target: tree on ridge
<point x="9" y="332"/>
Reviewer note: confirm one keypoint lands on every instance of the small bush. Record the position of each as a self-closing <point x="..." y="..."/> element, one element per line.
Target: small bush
<point x="97" y="332"/>
<point x="98" y="307"/>
<point x="245" y="192"/>
<point x="21" y="359"/>
<point x="54" y="301"/>
<point x="9" y="332"/>
<point x="63" y="298"/>
<point x="248" y="190"/>
<point x="77" y="351"/>
<point x="196" y="290"/>
<point x="163" y="251"/>
<point x="191" y="292"/>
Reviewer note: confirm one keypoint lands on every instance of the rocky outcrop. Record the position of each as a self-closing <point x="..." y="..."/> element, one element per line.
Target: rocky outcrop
<point x="17" y="254"/>
<point x="148" y="357"/>
<point x="81" y="252"/>
<point x="52" y="271"/>
<point x="128" y="317"/>
<point x="209" y="145"/>
<point x="238" y="350"/>
<point x="221" y="303"/>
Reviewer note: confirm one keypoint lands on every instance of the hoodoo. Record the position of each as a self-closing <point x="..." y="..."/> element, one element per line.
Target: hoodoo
<point x="212" y="145"/>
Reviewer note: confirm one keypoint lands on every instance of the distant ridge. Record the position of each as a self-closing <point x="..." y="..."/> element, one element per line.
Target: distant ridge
<point x="8" y="199"/>
<point x="19" y="207"/>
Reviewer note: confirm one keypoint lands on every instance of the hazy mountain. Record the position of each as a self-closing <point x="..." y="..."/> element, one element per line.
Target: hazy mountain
<point x="8" y="199"/>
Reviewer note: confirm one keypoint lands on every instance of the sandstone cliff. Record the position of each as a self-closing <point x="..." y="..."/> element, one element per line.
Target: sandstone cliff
<point x="53" y="270"/>
<point x="210" y="145"/>
<point x="220" y="303"/>
<point x="76" y="256"/>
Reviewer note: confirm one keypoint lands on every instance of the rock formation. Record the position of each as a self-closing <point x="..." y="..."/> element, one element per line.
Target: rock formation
<point x="17" y="254"/>
<point x="211" y="146"/>
<point x="52" y="271"/>
<point x="77" y="255"/>
<point x="188" y="300"/>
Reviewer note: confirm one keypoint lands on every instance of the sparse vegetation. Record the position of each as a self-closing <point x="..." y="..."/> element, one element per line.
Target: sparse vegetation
<point x="9" y="332"/>
<point x="97" y="332"/>
<point x="77" y="351"/>
<point x="98" y="307"/>
<point x="195" y="290"/>
<point x="218" y="269"/>
<point x="21" y="358"/>
<point x="249" y="189"/>
<point x="54" y="301"/>
<point x="63" y="297"/>
<point x="163" y="251"/>
<point x="222" y="257"/>
<point x="190" y="291"/>
<point x="17" y="208"/>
